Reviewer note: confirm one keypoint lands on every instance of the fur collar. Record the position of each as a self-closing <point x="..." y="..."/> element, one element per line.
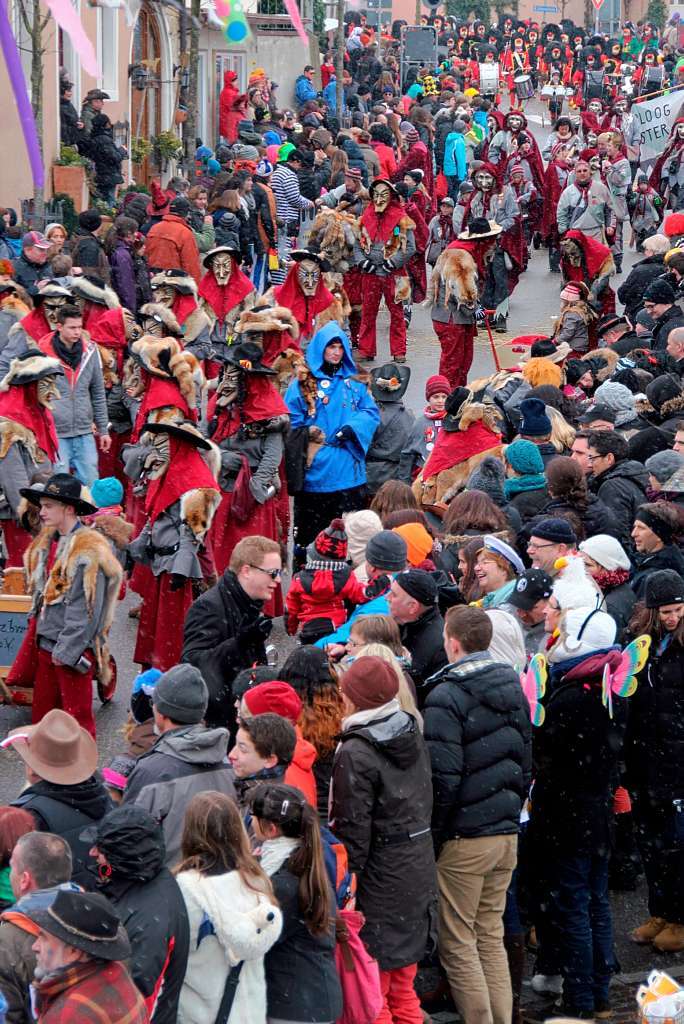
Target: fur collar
<point x="12" y="432"/>
<point x="197" y="322"/>
<point x="165" y="315"/>
<point x="265" y="318"/>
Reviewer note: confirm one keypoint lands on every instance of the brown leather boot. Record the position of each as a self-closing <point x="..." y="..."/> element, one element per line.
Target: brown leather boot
<point x="647" y="932"/>
<point x="670" y="939"/>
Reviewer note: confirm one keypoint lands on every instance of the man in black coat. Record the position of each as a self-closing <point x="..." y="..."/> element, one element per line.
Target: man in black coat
<point x="225" y="630"/>
<point x="655" y="526"/>
<point x="478" y="733"/>
<point x="129" y="852"/>
<point x="631" y="291"/>
<point x="618" y="481"/>
<point x="412" y="600"/>
<point x="659" y="301"/>
<point x="29" y="268"/>
<point x="107" y="157"/>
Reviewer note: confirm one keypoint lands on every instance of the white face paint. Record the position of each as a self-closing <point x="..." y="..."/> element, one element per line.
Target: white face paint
<point x="484" y="181"/>
<point x="515" y="123"/>
<point x="595" y="107"/>
<point x="222" y="266"/>
<point x="308" y="275"/>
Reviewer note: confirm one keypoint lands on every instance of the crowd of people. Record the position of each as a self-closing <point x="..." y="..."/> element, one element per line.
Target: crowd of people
<point x="471" y="726"/>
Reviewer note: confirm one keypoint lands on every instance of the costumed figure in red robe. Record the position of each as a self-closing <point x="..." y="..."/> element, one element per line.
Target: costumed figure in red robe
<point x="416" y="156"/>
<point x="179" y="477"/>
<point x="28" y="440"/>
<point x="97" y="300"/>
<point x="667" y="176"/>
<point x="225" y="294"/>
<point x="178" y="292"/>
<point x="416" y="267"/>
<point x="555" y="180"/>
<point x="385" y="245"/>
<point x="587" y="260"/>
<point x="232" y="107"/>
<point x="247" y="421"/>
<point x="25" y="334"/>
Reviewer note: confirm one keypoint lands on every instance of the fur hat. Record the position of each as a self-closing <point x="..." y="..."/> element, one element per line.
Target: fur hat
<point x="607" y="551"/>
<point x="165" y="357"/>
<point x="163" y="315"/>
<point x="30" y="367"/>
<point x="263" y="318"/>
<point x="330" y="544"/>
<point x="179" y="280"/>
<point x="665" y="464"/>
<point x="524" y="457"/>
<point x="534" y="421"/>
<point x="663" y="587"/>
<point x="94" y="289"/>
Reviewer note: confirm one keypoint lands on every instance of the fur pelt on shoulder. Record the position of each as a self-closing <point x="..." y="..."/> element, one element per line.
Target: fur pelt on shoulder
<point x="110" y="368"/>
<point x="85" y="549"/>
<point x="198" y="508"/>
<point x="12" y="432"/>
<point x="334" y="234"/>
<point x="265" y="316"/>
<point x="18" y="303"/>
<point x="196" y="322"/>
<point x="397" y="241"/>
<point x="115" y="528"/>
<point x="165" y="357"/>
<point x="610" y="358"/>
<point x="456" y="271"/>
<point x="445" y="485"/>
<point x="165" y="315"/>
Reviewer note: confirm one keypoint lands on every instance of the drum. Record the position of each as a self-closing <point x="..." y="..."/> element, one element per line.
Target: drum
<point x="489" y="79"/>
<point x="524" y="89"/>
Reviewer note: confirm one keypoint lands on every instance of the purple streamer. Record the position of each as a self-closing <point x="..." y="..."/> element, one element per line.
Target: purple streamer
<point x="16" y="77"/>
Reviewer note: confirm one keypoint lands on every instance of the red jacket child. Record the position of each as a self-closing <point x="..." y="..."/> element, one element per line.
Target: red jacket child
<point x="320" y="589"/>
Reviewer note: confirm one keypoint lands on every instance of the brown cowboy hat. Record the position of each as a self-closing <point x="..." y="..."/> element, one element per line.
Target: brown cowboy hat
<point x="57" y="748"/>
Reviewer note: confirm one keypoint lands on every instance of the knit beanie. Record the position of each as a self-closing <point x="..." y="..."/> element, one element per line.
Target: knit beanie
<point x="418" y="584"/>
<point x="555" y="530"/>
<point x="360" y="527"/>
<point x="89" y="220"/>
<point x="387" y="550"/>
<point x="663" y="587"/>
<point x="618" y="398"/>
<point x="276" y="697"/>
<point x="436" y="385"/>
<point x="524" y="457"/>
<point x="663" y="465"/>
<point x="660" y="292"/>
<point x="330" y="544"/>
<point x="369" y="683"/>
<point x="607" y="551"/>
<point x="488" y="477"/>
<point x="181" y="695"/>
<point x="419" y="543"/>
<point x="107" y="491"/>
<point x="533" y="419"/>
<point x="657" y="521"/>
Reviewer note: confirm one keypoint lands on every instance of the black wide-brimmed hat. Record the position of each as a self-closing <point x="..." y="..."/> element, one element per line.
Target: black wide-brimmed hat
<point x="480" y="228"/>
<point x="64" y="488"/>
<point x="389" y="382"/>
<point x="184" y="431"/>
<point x="455" y="405"/>
<point x="51" y="290"/>
<point x="29" y="368"/>
<point x="248" y="356"/>
<point x="382" y="181"/>
<point x="84" y="920"/>
<point x="310" y="254"/>
<point x="234" y="254"/>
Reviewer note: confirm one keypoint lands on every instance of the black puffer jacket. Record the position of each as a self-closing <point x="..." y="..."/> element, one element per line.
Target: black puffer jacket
<point x="105" y="154"/>
<point x="528" y="504"/>
<point x="424" y="641"/>
<point x="380" y="809"/>
<point x="671" y="318"/>
<point x="213" y="644"/>
<point x="669" y="557"/>
<point x="150" y="905"/>
<point x="594" y="518"/>
<point x="477" y="729"/>
<point x="631" y="291"/>
<point x="654" y="745"/>
<point x="622" y="488"/>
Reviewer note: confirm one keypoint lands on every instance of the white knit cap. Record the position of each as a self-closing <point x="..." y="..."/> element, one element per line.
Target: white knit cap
<point x="607" y="551"/>
<point x="507" y="644"/>
<point x="573" y="587"/>
<point x="598" y="631"/>
<point x="360" y="527"/>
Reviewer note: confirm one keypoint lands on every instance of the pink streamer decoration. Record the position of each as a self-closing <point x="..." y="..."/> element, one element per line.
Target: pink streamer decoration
<point x="293" y="10"/>
<point x="222" y="8"/>
<point x="24" y="109"/>
<point x="68" y="20"/>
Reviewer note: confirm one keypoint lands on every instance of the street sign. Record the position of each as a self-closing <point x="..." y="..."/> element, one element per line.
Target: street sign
<point x="545" y="8"/>
<point x="598" y="4"/>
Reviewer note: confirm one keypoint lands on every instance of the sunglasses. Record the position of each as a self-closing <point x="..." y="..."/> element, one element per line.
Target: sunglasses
<point x="275" y="574"/>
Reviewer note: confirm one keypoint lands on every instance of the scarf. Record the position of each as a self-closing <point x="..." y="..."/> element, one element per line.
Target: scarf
<point x="262" y="402"/>
<point x="518" y="484"/>
<point x="607" y="579"/>
<point x="159" y="393"/>
<point x="21" y="404"/>
<point x="430" y="414"/>
<point x="446" y="228"/>
<point x="379" y="228"/>
<point x="54" y="984"/>
<point x="304" y="308"/>
<point x="223" y="298"/>
<point x="186" y="471"/>
<point x="70" y="356"/>
<point x="182" y="307"/>
<point x="274" y="853"/>
<point x="451" y="448"/>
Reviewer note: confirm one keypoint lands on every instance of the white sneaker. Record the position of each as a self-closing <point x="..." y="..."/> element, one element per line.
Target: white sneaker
<point x="551" y="984"/>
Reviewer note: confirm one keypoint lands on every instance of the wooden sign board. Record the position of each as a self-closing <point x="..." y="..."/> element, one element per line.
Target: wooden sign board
<point x="14" y="610"/>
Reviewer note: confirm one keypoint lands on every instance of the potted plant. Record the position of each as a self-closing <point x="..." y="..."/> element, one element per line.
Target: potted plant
<point x="69" y="177"/>
<point x="167" y="147"/>
<point x="140" y="150"/>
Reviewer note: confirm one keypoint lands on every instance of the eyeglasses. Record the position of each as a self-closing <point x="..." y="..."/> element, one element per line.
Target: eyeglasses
<point x="275" y="574"/>
<point x="593" y="458"/>
<point x="538" y="547"/>
<point x="355" y="643"/>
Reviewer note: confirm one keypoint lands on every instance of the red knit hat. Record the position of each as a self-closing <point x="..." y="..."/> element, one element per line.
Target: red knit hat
<point x="437" y="384"/>
<point x="331" y="543"/>
<point x="370" y="682"/>
<point x="159" y="204"/>
<point x="274" y="697"/>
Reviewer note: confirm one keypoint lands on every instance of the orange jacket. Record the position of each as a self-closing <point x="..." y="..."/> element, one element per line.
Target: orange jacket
<point x="171" y="245"/>
<point x="300" y="773"/>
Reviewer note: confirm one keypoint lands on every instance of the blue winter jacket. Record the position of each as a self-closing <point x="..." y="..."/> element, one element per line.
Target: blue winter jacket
<point x="304" y="90"/>
<point x="340" y="401"/>
<point x="455" y="155"/>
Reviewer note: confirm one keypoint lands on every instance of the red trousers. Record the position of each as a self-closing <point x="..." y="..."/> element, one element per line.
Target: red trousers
<point x="159" y="643"/>
<point x="58" y="686"/>
<point x="374" y="289"/>
<point x="456" y="341"/>
<point x="401" y="1002"/>
<point x="16" y="542"/>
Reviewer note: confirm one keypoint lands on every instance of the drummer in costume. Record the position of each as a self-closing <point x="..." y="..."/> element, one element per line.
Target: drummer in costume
<point x="516" y="69"/>
<point x="247" y="421"/>
<point x="179" y="476"/>
<point x="587" y="79"/>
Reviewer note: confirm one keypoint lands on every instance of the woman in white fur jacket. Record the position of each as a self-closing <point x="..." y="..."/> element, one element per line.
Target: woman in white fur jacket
<point x="232" y="913"/>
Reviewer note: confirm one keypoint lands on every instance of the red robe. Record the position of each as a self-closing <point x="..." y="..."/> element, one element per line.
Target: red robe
<point x="231" y="107"/>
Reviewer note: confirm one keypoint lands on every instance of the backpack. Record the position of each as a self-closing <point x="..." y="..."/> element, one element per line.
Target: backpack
<point x="337" y="867"/>
<point x="358" y="972"/>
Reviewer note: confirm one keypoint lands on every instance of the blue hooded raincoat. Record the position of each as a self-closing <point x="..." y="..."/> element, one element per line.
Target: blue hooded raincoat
<point x="340" y="400"/>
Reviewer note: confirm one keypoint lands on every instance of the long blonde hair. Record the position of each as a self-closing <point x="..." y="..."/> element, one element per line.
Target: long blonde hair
<point x="562" y="434"/>
<point x="405" y="697"/>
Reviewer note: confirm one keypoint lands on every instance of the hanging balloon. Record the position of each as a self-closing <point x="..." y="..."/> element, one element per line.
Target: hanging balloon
<point x="236" y="29"/>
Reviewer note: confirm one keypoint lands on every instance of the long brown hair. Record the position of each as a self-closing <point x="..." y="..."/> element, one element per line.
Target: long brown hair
<point x="391" y="496"/>
<point x="214" y="841"/>
<point x="285" y="807"/>
<point x="473" y="510"/>
<point x="647" y="620"/>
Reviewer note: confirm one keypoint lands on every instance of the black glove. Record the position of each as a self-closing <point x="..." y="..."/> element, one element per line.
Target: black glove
<point x="367" y="266"/>
<point x="388" y="266"/>
<point x="257" y="632"/>
<point x="345" y="433"/>
<point x="176" y="582"/>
